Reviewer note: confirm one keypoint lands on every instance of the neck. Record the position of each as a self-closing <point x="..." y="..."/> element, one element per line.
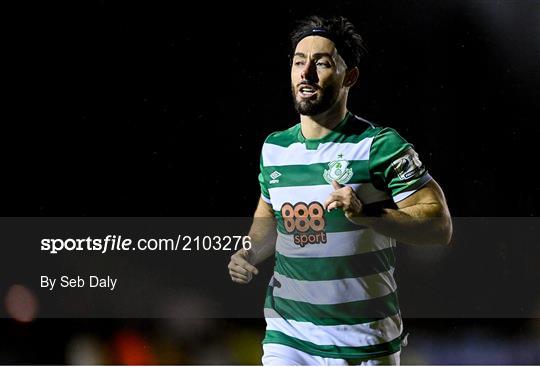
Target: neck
<point x="317" y="126"/>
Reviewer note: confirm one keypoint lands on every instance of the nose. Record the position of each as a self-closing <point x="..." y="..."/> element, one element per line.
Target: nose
<point x="309" y="72"/>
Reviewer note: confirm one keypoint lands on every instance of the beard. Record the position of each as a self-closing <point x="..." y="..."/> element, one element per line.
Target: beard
<point x="326" y="98"/>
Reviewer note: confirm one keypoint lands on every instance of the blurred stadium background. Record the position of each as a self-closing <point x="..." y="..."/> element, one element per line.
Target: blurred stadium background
<point x="232" y="342"/>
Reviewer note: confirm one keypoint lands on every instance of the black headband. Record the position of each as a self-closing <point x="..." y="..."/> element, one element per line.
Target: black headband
<point x="342" y="49"/>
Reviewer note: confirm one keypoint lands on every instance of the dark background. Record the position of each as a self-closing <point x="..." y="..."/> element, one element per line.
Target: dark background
<point x="160" y="109"/>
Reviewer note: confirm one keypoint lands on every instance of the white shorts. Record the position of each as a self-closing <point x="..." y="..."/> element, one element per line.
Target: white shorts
<point x="282" y="355"/>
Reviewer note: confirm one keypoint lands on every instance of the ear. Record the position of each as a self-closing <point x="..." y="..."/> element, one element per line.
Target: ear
<point x="351" y="76"/>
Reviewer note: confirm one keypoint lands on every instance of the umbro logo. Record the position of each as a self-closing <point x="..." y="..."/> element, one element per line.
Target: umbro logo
<point x="274" y="175"/>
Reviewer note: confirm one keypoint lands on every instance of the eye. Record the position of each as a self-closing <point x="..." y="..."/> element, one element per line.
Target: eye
<point x="299" y="63"/>
<point x="323" y="64"/>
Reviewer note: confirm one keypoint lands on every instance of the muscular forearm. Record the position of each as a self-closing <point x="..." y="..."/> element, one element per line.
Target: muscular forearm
<point x="263" y="245"/>
<point x="420" y="224"/>
<point x="263" y="239"/>
<point x="423" y="218"/>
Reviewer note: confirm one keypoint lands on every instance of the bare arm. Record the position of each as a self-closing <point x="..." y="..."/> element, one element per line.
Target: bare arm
<point x="263" y="233"/>
<point x="263" y="239"/>
<point x="421" y="219"/>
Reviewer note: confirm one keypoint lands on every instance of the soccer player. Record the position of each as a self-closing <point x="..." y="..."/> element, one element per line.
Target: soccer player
<point x="337" y="191"/>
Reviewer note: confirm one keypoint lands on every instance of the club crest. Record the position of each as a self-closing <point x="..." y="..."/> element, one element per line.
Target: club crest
<point x="338" y="170"/>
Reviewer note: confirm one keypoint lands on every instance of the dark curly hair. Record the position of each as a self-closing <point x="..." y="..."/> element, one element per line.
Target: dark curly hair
<point x="349" y="43"/>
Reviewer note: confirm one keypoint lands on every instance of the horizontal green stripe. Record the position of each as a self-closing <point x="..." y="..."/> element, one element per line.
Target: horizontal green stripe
<point x="351" y="136"/>
<point x="350" y="130"/>
<point x="356" y="131"/>
<point x="354" y="135"/>
<point x="400" y="186"/>
<point x="333" y="351"/>
<point x="349" y="313"/>
<point x="312" y="174"/>
<point x="335" y="221"/>
<point x="338" y="267"/>
<point x="284" y="138"/>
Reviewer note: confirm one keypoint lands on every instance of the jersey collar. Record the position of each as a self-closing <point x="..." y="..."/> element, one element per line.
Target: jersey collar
<point x="313" y="144"/>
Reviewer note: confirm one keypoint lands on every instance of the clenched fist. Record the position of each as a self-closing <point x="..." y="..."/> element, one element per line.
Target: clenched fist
<point x="240" y="268"/>
<point x="345" y="198"/>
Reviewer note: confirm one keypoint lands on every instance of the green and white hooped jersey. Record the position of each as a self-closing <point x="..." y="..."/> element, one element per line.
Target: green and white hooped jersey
<point x="333" y="292"/>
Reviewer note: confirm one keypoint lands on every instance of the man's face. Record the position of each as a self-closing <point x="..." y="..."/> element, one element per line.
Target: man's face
<point x="317" y="75"/>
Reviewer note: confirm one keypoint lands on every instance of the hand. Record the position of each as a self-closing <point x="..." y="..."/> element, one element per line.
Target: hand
<point x="240" y="269"/>
<point x="345" y="198"/>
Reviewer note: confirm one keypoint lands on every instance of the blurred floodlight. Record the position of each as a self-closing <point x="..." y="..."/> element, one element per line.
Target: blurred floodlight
<point x="85" y="350"/>
<point x="21" y="303"/>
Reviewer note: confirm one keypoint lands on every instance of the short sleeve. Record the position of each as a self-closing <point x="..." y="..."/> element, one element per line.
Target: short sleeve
<point x="265" y="195"/>
<point x="394" y="166"/>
